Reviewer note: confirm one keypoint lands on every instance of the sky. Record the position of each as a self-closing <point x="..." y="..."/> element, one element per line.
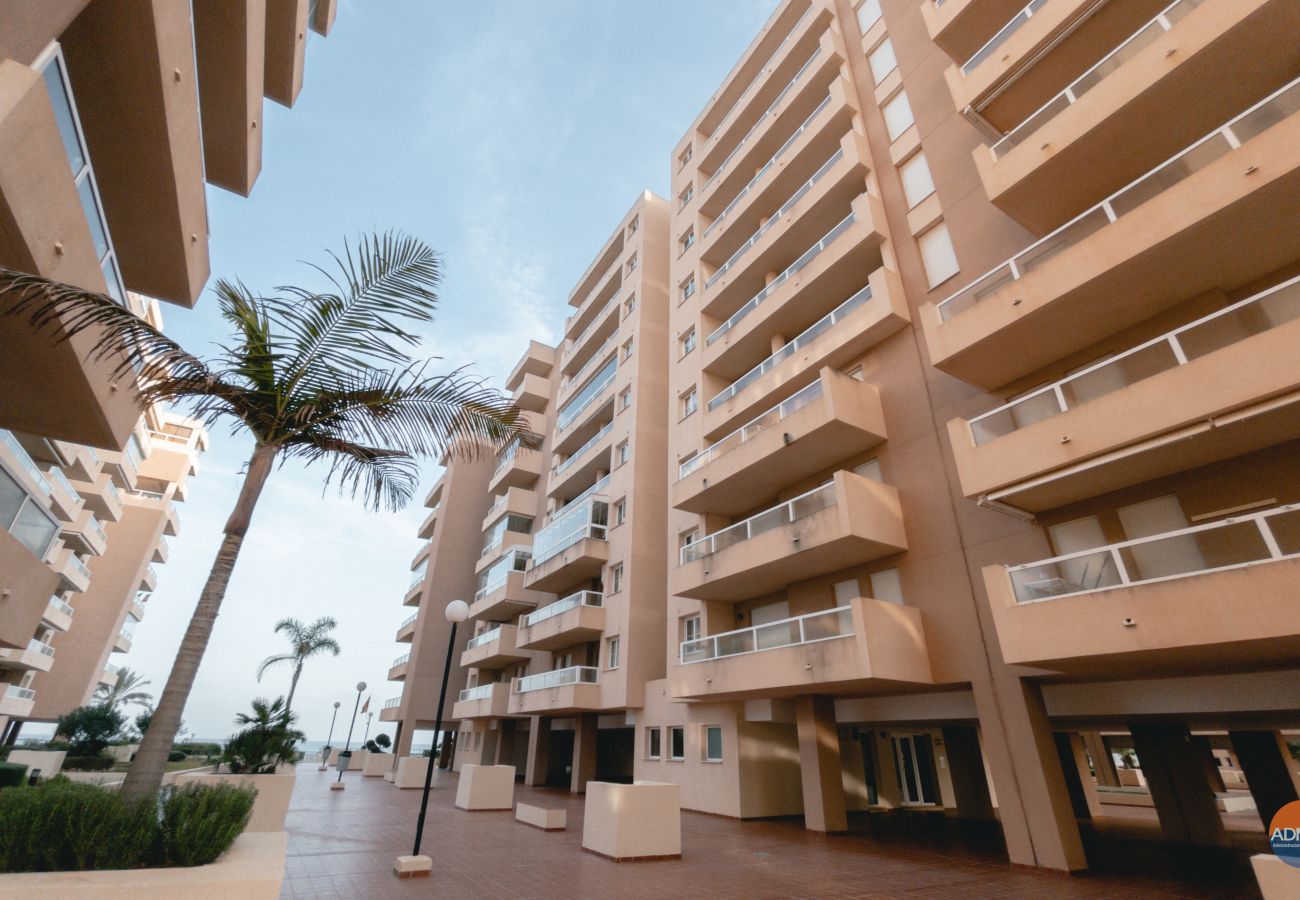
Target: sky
<point x="512" y="136"/>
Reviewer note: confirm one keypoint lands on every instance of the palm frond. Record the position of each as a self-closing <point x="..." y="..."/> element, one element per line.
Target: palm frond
<point x="385" y="479"/>
<point x="273" y="660"/>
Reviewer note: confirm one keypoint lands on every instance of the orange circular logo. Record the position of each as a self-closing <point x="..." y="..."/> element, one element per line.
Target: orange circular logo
<point x="1284" y="834"/>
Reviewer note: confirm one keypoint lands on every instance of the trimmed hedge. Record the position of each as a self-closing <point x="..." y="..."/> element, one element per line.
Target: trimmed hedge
<point x="88" y="763"/>
<point x="177" y="756"/>
<point x="12" y="774"/>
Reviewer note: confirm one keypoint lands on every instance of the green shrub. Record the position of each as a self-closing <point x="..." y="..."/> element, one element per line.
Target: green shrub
<point x="90" y="728"/>
<point x="88" y="763"/>
<point x="200" y="822"/>
<point x="12" y="774"/>
<point x="198" y="749"/>
<point x="177" y="756"/>
<point x="268" y="741"/>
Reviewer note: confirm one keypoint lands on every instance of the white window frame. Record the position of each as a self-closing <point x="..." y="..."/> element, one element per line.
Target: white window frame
<point x="704" y="744"/>
<point x="676" y="729"/>
<point x="613" y="652"/>
<point x="654" y="733"/>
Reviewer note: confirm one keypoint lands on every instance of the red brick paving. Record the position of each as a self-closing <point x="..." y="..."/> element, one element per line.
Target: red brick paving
<point x="342" y="845"/>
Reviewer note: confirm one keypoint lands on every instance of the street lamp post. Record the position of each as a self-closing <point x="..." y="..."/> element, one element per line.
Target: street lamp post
<point x="338" y="785"/>
<point x="457" y="611"/>
<point x="366" y="736"/>
<point x="325" y="762"/>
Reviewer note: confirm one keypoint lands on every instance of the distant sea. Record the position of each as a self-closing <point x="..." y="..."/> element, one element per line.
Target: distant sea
<point x="315" y="746"/>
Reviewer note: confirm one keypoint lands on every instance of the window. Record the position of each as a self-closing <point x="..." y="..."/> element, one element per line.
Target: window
<point x="685" y="156"/>
<point x="869" y="469"/>
<point x="620" y="511"/>
<point x="686" y="196"/>
<point x="629" y="306"/>
<point x="868" y="14"/>
<point x="713" y="743"/>
<point x="917" y="183"/>
<point x="845" y="591"/>
<point x="625" y="398"/>
<point x="898" y="115"/>
<point x="688" y="288"/>
<point x="691" y="628"/>
<point x="616" y="578"/>
<point x="25" y="518"/>
<point x="690" y="402"/>
<point x="882" y="60"/>
<point x="654" y="743"/>
<point x="631" y="230"/>
<point x="622" y="454"/>
<point x="686" y="241"/>
<point x="631" y="263"/>
<point x="686" y="538"/>
<point x="687" y="341"/>
<point x="627" y="349"/>
<point x="677" y="742"/>
<point x="938" y="254"/>
<point x="887" y="586"/>
<point x="612" y="650"/>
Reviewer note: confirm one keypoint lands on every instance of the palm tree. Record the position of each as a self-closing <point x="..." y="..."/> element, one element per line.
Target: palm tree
<point x="125" y="691"/>
<point x="307" y="640"/>
<point x="315" y="377"/>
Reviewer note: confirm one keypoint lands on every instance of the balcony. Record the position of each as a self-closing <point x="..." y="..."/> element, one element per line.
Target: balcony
<point x="390" y="712"/>
<point x="804" y="434"/>
<point x="102" y="498"/>
<point x="58" y="614"/>
<point x="515" y="502"/>
<point x="584" y="401"/>
<point x="571" y="620"/>
<point x="485" y="701"/>
<point x="962" y="27"/>
<point x="397" y="671"/>
<point x="406" y="631"/>
<point x="72" y="572"/>
<point x="572" y="690"/>
<point x="161" y="551"/>
<point x="36" y="656"/>
<point x="65" y="502"/>
<point x="1044" y="170"/>
<point x="501" y="594"/>
<point x="1205" y="219"/>
<point x="17" y="702"/>
<point x="495" y="648"/>
<point x="109" y="675"/>
<point x="537" y="360"/>
<point x="1217" y="595"/>
<point x="149" y="579"/>
<point x="85" y="535"/>
<point x="516" y="467"/>
<point x="592" y="318"/>
<point x="422" y="555"/>
<point x="581" y="466"/>
<point x="867" y="647"/>
<point x="426" y="527"/>
<point x="572" y="548"/>
<point x="848" y="521"/>
<point x="415" y="585"/>
<point x="122" y="643"/>
<point x="533" y="393"/>
<point x="870" y="315"/>
<point x="123" y="465"/>
<point x="1220" y="386"/>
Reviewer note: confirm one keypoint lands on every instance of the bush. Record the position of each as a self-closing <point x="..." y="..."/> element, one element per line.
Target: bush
<point x="177" y="756"/>
<point x="88" y="763"/>
<point x="267" y="742"/>
<point x="90" y="728"/>
<point x="203" y="749"/>
<point x="12" y="774"/>
<point x="61" y="825"/>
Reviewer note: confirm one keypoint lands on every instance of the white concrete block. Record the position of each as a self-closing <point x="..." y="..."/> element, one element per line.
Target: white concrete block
<point x="410" y="771"/>
<point x="486" y="787"/>
<point x="553" y="819"/>
<point x="633" y="821"/>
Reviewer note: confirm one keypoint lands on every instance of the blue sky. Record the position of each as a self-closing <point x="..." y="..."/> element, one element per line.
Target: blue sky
<point x="511" y="136"/>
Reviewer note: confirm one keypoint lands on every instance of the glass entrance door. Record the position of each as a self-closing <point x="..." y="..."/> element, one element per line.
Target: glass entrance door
<point x="915" y="773"/>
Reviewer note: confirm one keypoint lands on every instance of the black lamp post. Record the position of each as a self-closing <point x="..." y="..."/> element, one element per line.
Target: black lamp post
<point x="347" y="747"/>
<point x="324" y="763"/>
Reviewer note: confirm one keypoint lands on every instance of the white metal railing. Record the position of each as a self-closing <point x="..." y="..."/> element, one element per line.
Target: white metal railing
<point x="754" y="426"/>
<point x="1254" y="315"/>
<point x="40" y="647"/>
<point x="567" y="382"/>
<point x="806" y="629"/>
<point x="557" y="678"/>
<point x="478" y="692"/>
<point x="112" y="669"/>
<point x="582" y="399"/>
<point x="722" y="166"/>
<point x="93" y="524"/>
<point x="506" y="458"/>
<point x="807" y="336"/>
<point x="1281" y="103"/>
<point x="494" y="577"/>
<point x="775" y="218"/>
<point x="408" y="620"/>
<point x="592" y="325"/>
<point x="417" y="577"/>
<point x="55" y="474"/>
<point x="1231" y="543"/>
<point x="587" y="445"/>
<point x="486" y="637"/>
<point x="171" y="438"/>
<point x="1003" y="34"/>
<point x="586" y="519"/>
<point x="614" y="270"/>
<point x="33" y="471"/>
<point x="62" y="606"/>
<point x="78" y="566"/>
<point x="392" y="701"/>
<point x="596" y="488"/>
<point x="1170" y="16"/>
<point x="148" y="495"/>
<point x="153" y="573"/>
<point x="404" y="658"/>
<point x="794" y="267"/>
<point x="19" y="693"/>
<point x="806" y="504"/>
<point x="563" y="605"/>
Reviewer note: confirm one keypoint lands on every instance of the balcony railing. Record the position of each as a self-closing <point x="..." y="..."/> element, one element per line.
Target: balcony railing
<point x="614" y="268"/>
<point x="592" y="325"/>
<point x="753" y="427"/>
<point x="563" y="605"/>
<point x="78" y="566"/>
<point x="506" y="458"/>
<point x="24" y="460"/>
<point x="40" y="647"/>
<point x="1228" y="544"/>
<point x="183" y="440"/>
<point x="1170" y="16"/>
<point x="793" y="268"/>
<point x="726" y="117"/>
<point x="587" y="445"/>
<point x="1254" y="315"/>
<point x="1281" y="103"/>
<point x="148" y="495"/>
<point x="807" y="336"/>
<point x="494" y="576"/>
<point x="62" y="606"/>
<point x="568" y="381"/>
<point x="478" y="692"/>
<point x="392" y="701"/>
<point x="557" y="678"/>
<point x="15" y="692"/>
<point x="417" y="577"/>
<point x="401" y="660"/>
<point x="408" y="620"/>
<point x="56" y="475"/>
<point x="806" y="629"/>
<point x="588" y="518"/>
<point x="570" y="411"/>
<point x="98" y="530"/>
<point x="486" y="637"/>
<point x="1001" y="37"/>
<point x="800" y="507"/>
<point x="153" y="573"/>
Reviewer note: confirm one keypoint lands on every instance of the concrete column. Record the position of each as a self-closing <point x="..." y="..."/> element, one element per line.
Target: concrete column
<point x="1269" y="770"/>
<point x="539" y="751"/>
<point x="506" y="743"/>
<point x="888" y="792"/>
<point x="1174" y="767"/>
<point x="966" y="770"/>
<point x="584" y="752"/>
<point x="488" y="752"/>
<point x="1074" y="766"/>
<point x="1103" y="763"/>
<point x="1033" y="799"/>
<point x="400" y="735"/>
<point x="448" y="750"/>
<point x="819" y="764"/>
<point x="1205" y="753"/>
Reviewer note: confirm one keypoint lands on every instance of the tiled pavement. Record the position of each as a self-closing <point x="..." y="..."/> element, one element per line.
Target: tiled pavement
<point x="343" y="843"/>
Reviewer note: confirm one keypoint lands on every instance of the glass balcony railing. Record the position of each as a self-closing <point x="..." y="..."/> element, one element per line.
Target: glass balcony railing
<point x="752" y="428"/>
<point x="1004" y="33"/>
<point x="776" y="217"/>
<point x="580" y="401"/>
<point x="587" y="445"/>
<point x="14" y="692"/>
<point x="417" y="577"/>
<point x="495" y="536"/>
<point x="807" y="336"/>
<point x="794" y="267"/>
<point x="486" y="637"/>
<point x="614" y="270"/>
<point x="55" y="475"/>
<point x="1228" y="544"/>
<point x="401" y="660"/>
<point x="1244" y="126"/>
<point x="568" y="381"/>
<point x="478" y="692"/>
<point x="791" y="511"/>
<point x="92" y="525"/>
<point x="115" y="496"/>
<point x="78" y="566"/>
<point x="557" y="678"/>
<point x="33" y="471"/>
<point x="392" y="702"/>
<point x="40" y="647"/>
<point x="592" y="326"/>
<point x="806" y="629"/>
<point x="494" y="577"/>
<point x="112" y="670"/>
<point x="588" y="518"/>
<point x="1170" y="16"/>
<point x="147" y="495"/>
<point x="506" y="458"/>
<point x="1254" y="315"/>
<point x="408" y="620"/>
<point x="563" y="605"/>
<point x="153" y="573"/>
<point x="62" y="606"/>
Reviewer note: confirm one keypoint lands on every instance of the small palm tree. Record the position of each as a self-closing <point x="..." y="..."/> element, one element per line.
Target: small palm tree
<point x="125" y="691"/>
<point x="307" y="641"/>
<point x="315" y="377"/>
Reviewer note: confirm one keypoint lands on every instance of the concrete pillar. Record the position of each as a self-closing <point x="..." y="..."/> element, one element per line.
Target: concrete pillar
<point x="488" y="752"/>
<point x="448" y="749"/>
<point x="539" y="751"/>
<point x="1033" y="799"/>
<point x="400" y="735"/>
<point x="966" y="770"/>
<point x="1074" y="766"/>
<point x="506" y="743"/>
<point x="1269" y="770"/>
<point x="888" y="792"/>
<point x="1103" y="763"/>
<point x="819" y="764"/>
<point x="1174" y="767"/>
<point x="1205" y="753"/>
<point x="584" y="752"/>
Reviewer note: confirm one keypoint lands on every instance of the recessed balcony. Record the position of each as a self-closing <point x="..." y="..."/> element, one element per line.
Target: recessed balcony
<point x="866" y="647"/>
<point x="1206" y="219"/>
<point x="1220" y="386"/>
<point x="516" y="467"/>
<point x="595" y="395"/>
<point x="572" y="690"/>
<point x="17" y="702"/>
<point x="501" y="593"/>
<point x="36" y="656"/>
<point x="575" y="619"/>
<point x="800" y="436"/>
<point x="495" y="648"/>
<point x="592" y="318"/>
<point x="1045" y="169"/>
<point x="848" y="521"/>
<point x="484" y="701"/>
<point x="58" y="614"/>
<point x="398" y="670"/>
<point x="1217" y="595"/>
<point x="572" y="548"/>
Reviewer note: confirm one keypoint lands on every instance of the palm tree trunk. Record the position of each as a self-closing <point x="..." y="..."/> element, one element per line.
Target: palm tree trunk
<point x="146" y="772"/>
<point x="293" y="686"/>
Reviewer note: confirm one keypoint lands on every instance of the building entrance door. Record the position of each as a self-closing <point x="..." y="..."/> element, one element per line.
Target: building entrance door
<point x="915" y="759"/>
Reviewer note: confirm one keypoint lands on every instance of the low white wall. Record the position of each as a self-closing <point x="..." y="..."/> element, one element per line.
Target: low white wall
<point x="486" y="787"/>
<point x="48" y="761"/>
<point x="273" y="794"/>
<point x="633" y="821"/>
<point x="411" y="771"/>
<point x="377" y="764"/>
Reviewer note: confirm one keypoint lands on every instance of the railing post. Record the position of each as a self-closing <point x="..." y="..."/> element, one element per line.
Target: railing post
<point x="1270" y="540"/>
<point x="1177" y="347"/>
<point x="1120" y="568"/>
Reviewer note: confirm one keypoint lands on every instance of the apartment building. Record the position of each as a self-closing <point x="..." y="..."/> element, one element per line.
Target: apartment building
<point x="983" y="391"/>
